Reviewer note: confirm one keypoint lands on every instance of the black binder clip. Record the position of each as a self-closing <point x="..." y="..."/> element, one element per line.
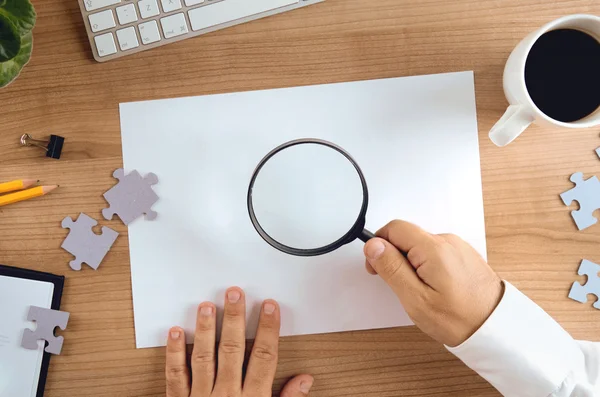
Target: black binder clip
<point x="53" y="147"/>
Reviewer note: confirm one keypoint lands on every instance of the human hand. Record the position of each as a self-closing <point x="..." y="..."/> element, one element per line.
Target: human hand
<point x="446" y="287"/>
<point x="209" y="379"/>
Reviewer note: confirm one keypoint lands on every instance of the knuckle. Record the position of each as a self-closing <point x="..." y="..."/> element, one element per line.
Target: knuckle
<point x="396" y="223"/>
<point x="442" y="245"/>
<point x="452" y="238"/>
<point x="204" y="326"/>
<point x="176" y="373"/>
<point x="269" y="324"/>
<point x="232" y="314"/>
<point x="448" y="250"/>
<point x="264" y="352"/>
<point x="203" y="357"/>
<point x="438" y="240"/>
<point x="415" y="256"/>
<point x="231" y="346"/>
<point x="229" y="394"/>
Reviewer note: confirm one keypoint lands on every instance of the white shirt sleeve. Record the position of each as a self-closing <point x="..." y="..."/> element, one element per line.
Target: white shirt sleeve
<point x="523" y="352"/>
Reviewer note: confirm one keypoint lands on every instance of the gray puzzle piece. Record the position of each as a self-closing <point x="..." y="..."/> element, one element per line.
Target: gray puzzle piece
<point x="132" y="197"/>
<point x="598" y="152"/>
<point x="87" y="246"/>
<point x="587" y="194"/>
<point x="580" y="292"/>
<point x="46" y="320"/>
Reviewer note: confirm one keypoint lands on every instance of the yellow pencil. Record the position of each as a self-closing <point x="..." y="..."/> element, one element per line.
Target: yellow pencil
<point x="25" y="194"/>
<point x="16" y="185"/>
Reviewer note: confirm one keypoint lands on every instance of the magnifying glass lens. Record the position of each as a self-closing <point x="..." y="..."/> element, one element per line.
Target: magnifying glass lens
<point x="307" y="196"/>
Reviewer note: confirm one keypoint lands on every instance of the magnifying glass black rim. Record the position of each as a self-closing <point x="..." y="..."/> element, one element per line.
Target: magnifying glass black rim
<point x="354" y="232"/>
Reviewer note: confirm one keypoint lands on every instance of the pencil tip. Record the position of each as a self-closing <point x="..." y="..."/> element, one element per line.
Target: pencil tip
<point x="29" y="182"/>
<point x="48" y="189"/>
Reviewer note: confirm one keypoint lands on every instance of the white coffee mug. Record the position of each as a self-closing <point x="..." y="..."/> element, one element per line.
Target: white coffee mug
<point x="522" y="111"/>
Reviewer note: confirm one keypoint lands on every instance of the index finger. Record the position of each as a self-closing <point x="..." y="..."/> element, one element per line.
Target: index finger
<point x="263" y="359"/>
<point x="404" y="235"/>
<point x="176" y="370"/>
<point x="232" y="344"/>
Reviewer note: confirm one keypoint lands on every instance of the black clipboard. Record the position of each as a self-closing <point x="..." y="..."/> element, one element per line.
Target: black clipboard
<point x="59" y="283"/>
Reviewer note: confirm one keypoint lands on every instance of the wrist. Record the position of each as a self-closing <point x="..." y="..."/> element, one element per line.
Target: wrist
<point x="478" y="314"/>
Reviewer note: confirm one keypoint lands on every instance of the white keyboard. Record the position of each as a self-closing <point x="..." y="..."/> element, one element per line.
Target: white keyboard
<point x="121" y="27"/>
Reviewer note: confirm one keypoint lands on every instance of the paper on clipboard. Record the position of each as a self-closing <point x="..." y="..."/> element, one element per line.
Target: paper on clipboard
<point x="20" y="368"/>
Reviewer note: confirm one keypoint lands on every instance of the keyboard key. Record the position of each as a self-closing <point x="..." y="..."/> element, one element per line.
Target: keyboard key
<point x="102" y="20"/>
<point x="190" y="3"/>
<point x="91" y="5"/>
<point x="126" y="14"/>
<point x="105" y="44"/>
<point x="174" y="25"/>
<point x="230" y="10"/>
<point x="149" y="32"/>
<point x="127" y="38"/>
<point x="148" y="8"/>
<point x="171" y="5"/>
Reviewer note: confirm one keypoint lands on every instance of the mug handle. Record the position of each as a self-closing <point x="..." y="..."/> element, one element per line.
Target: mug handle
<point x="514" y="121"/>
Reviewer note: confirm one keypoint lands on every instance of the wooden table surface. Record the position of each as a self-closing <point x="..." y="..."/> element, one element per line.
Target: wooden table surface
<point x="532" y="241"/>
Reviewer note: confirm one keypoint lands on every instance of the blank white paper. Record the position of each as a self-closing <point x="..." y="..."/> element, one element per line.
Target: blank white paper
<point x="415" y="139"/>
<point x="20" y="368"/>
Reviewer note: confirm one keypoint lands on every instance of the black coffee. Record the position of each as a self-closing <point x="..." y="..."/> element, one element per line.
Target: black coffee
<point x="562" y="74"/>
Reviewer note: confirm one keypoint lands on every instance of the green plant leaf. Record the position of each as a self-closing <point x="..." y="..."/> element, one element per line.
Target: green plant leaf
<point x="9" y="70"/>
<point x="20" y="13"/>
<point x="10" y="42"/>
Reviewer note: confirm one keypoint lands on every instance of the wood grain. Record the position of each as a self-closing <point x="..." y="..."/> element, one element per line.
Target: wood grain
<point x="531" y="238"/>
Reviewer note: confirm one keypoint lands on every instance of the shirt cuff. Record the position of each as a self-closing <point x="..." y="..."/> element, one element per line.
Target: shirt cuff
<point x="520" y="349"/>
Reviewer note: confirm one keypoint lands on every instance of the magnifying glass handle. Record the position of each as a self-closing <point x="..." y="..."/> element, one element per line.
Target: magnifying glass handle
<point x="365" y="235"/>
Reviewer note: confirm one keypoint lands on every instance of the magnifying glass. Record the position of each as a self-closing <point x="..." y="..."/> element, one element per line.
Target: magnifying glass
<point x="308" y="197"/>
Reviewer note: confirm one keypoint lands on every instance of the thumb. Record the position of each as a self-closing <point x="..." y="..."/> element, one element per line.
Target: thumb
<point x="392" y="266"/>
<point x="299" y="386"/>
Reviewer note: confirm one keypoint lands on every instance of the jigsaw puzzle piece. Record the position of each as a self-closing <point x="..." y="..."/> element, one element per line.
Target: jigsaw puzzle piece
<point x="570" y="195"/>
<point x="119" y="173"/>
<point x="113" y="195"/>
<point x="87" y="246"/>
<point x="150" y="180"/>
<point x="122" y="198"/>
<point x="132" y="197"/>
<point x="587" y="194"/>
<point x="580" y="292"/>
<point x="47" y="320"/>
<point x="84" y="221"/>
<point x="598" y="152"/>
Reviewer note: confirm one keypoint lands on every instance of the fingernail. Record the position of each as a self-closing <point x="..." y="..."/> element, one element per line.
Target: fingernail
<point x="206" y="311"/>
<point x="305" y="386"/>
<point x="269" y="308"/>
<point x="175" y="335"/>
<point x="375" y="249"/>
<point x="233" y="296"/>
